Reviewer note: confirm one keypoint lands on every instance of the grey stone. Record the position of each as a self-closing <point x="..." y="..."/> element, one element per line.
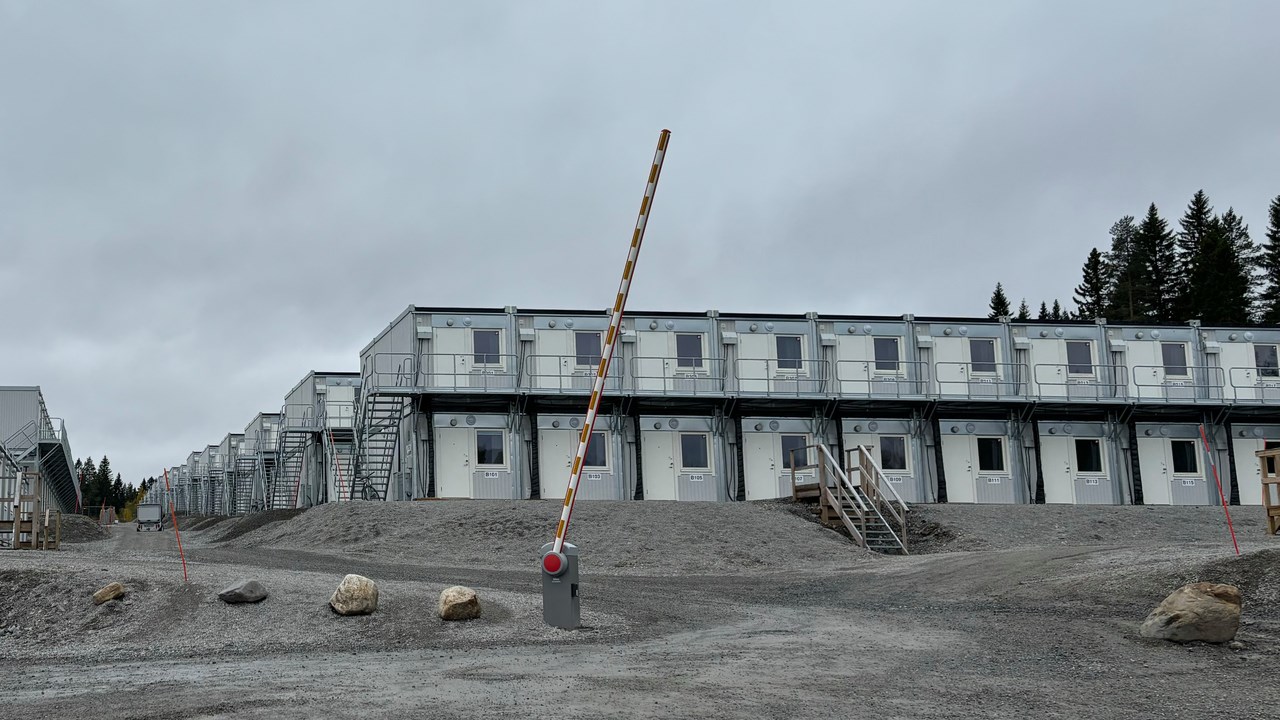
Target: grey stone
<point x="459" y="603"/>
<point x="244" y="591"/>
<point x="356" y="595"/>
<point x="111" y="592"/>
<point x="1207" y="612"/>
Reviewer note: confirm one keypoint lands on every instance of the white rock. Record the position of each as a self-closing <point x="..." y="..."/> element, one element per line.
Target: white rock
<point x="459" y="603"/>
<point x="356" y="595"/>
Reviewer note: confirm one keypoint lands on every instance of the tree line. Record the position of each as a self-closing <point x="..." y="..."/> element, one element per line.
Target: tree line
<point x="98" y="489"/>
<point x="1209" y="269"/>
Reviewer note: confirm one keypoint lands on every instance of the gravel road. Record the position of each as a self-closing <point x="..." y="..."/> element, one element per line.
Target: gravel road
<point x="703" y="611"/>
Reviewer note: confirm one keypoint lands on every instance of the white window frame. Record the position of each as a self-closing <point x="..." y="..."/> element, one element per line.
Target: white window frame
<point x="1195" y="455"/>
<point x="1273" y="372"/>
<point x="1004" y="454"/>
<point x="701" y="367"/>
<point x="1093" y="366"/>
<point x="1102" y="456"/>
<point x="599" y="438"/>
<point x="506" y="455"/>
<point x="680" y="452"/>
<point x="1186" y="367"/>
<point x="875" y="362"/>
<point x="906" y="453"/>
<point x="498" y="354"/>
<point x="599" y="348"/>
<point x="789" y="372"/>
<point x="995" y="358"/>
<point x="807" y="442"/>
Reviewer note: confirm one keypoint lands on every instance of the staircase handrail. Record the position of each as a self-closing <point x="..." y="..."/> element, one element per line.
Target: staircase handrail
<point x="878" y="500"/>
<point x="882" y="481"/>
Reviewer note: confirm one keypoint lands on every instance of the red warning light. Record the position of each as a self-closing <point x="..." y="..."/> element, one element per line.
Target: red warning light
<point x="553" y="563"/>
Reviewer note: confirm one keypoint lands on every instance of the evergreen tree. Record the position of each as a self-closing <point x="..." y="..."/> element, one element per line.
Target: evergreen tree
<point x="1044" y="311"/>
<point x="1056" y="312"/>
<point x="102" y="482"/>
<point x="1124" y="271"/>
<point x="999" y="303"/>
<point x="1024" y="312"/>
<point x="1220" y="281"/>
<point x="1091" y="293"/>
<point x="88" y="483"/>
<point x="1269" y="262"/>
<point x="117" y="493"/>
<point x="1155" y="252"/>
<point x="1196" y="225"/>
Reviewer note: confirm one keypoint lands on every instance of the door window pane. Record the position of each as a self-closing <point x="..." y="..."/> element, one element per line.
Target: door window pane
<point x="1265" y="358"/>
<point x="1271" y="462"/>
<point x="886" y="350"/>
<point x="796" y="443"/>
<point x="1079" y="357"/>
<point x="789" y="356"/>
<point x="587" y="346"/>
<point x="1184" y="457"/>
<point x="489" y="448"/>
<point x="1174" y="357"/>
<point x="991" y="454"/>
<point x="693" y="451"/>
<point x="484" y="346"/>
<point x="689" y="351"/>
<point x="893" y="452"/>
<point x="597" y="452"/>
<point x="1089" y="456"/>
<point x="982" y="355"/>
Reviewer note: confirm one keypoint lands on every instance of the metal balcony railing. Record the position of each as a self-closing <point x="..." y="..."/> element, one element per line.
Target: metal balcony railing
<point x="981" y="380"/>
<point x="773" y="377"/>
<point x="870" y="378"/>
<point x="1255" y="385"/>
<point x="1178" y="383"/>
<point x="1069" y="381"/>
<point x="388" y="371"/>
<point x="563" y="373"/>
<point x="298" y="417"/>
<point x="339" y="415"/>
<point x="667" y="376"/>
<point x="470" y="371"/>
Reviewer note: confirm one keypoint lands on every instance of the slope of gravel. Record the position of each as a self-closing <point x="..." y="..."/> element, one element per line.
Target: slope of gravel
<point x="951" y="528"/>
<point x="81" y="529"/>
<point x="651" y="538"/>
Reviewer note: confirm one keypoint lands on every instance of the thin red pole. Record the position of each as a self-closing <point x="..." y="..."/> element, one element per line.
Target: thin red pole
<point x="174" y="516"/>
<point x="1221" y="495"/>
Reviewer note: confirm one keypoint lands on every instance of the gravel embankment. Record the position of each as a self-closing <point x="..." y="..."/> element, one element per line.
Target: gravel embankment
<point x="82" y="529"/>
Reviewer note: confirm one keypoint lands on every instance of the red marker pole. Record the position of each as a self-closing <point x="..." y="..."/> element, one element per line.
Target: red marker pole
<point x="174" y="516"/>
<point x="1221" y="495"/>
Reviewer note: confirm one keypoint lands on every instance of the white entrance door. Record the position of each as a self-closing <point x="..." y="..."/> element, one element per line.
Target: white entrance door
<point x="555" y="461"/>
<point x="453" y="463"/>
<point x="659" y="465"/>
<point x="1055" y="461"/>
<point x="1153" y="463"/>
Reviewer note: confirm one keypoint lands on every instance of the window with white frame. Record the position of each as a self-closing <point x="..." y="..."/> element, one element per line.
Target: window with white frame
<point x="893" y="452"/>
<point x="689" y="350"/>
<point x="794" y="451"/>
<point x="695" y="451"/>
<point x="1088" y="455"/>
<point x="597" y="452"/>
<point x="1079" y="357"/>
<point x="982" y="355"/>
<point x="587" y="348"/>
<point x="485" y="348"/>
<point x="886" y="354"/>
<point x="790" y="352"/>
<point x="990" y="454"/>
<point x="491" y="448"/>
<point x="1173" y="356"/>
<point x="1185" y="461"/>
<point x="1266" y="360"/>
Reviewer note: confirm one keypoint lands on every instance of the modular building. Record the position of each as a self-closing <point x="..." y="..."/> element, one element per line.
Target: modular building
<point x="901" y="448"/>
<point x="315" y="454"/>
<point x="37" y="443"/>
<point x="1172" y="465"/>
<point x="986" y="461"/>
<point x="229" y="451"/>
<point x="258" y="460"/>
<point x="777" y="452"/>
<point x="1084" y="463"/>
<point x="1247" y="439"/>
<point x="608" y="468"/>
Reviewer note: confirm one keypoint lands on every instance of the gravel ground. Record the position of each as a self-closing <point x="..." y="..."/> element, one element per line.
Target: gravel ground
<point x="814" y="628"/>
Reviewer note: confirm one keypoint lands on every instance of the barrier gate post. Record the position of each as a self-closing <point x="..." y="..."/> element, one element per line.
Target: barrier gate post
<point x="560" y="603"/>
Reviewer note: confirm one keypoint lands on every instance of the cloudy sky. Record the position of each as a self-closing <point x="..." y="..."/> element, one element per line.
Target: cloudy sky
<point x="201" y="201"/>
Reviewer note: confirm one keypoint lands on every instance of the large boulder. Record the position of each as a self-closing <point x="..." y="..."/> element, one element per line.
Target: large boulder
<point x="356" y="595"/>
<point x="459" y="603"/>
<point x="111" y="592"/>
<point x="1207" y="612"/>
<point x="244" y="591"/>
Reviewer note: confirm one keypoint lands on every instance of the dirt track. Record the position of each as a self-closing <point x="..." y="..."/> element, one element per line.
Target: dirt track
<point x="751" y="611"/>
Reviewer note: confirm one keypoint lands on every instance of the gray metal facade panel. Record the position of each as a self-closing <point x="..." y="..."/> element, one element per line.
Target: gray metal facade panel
<point x="18" y="407"/>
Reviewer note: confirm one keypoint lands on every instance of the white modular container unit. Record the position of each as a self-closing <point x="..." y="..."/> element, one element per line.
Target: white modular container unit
<point x="562" y="352"/>
<point x="875" y="358"/>
<point x="1247" y="439"/>
<point x="607" y="473"/>
<point x="684" y="458"/>
<point x="898" y="445"/>
<point x="479" y="456"/>
<point x="1068" y="361"/>
<point x="468" y="351"/>
<point x="1250" y="361"/>
<point x="984" y="461"/>
<point x="667" y="354"/>
<point x="771" y="356"/>
<point x="1172" y="465"/>
<point x="1167" y="364"/>
<point x="769" y="446"/>
<point x="1083" y="463"/>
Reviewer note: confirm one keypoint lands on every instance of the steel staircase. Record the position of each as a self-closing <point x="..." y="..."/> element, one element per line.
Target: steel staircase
<point x="291" y="453"/>
<point x="856" y="498"/>
<point x="242" y="497"/>
<point x="379" y="434"/>
<point x="216" y="490"/>
<point x="264" y="480"/>
<point x="340" y="455"/>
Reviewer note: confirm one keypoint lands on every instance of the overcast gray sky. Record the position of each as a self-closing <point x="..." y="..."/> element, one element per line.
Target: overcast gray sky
<point x="201" y="201"/>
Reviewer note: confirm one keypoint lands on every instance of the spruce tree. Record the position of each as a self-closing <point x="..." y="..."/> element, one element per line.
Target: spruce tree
<point x="1091" y="293"/>
<point x="1044" y="311"/>
<point x="999" y="303"/>
<point x="1220" y="281"/>
<point x="1024" y="312"/>
<point x="102" y="482"/>
<point x="1269" y="262"/>
<point x="1056" y="312"/>
<point x="1244" y="281"/>
<point x="88" y="483"/>
<point x="117" y="493"/>
<point x="1196" y="225"/>
<point x="1155" y="252"/>
<point x="1125" y="269"/>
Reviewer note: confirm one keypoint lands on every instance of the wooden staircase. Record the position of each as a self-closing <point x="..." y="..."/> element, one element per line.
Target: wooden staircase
<point x="1270" y="460"/>
<point x="854" y="497"/>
